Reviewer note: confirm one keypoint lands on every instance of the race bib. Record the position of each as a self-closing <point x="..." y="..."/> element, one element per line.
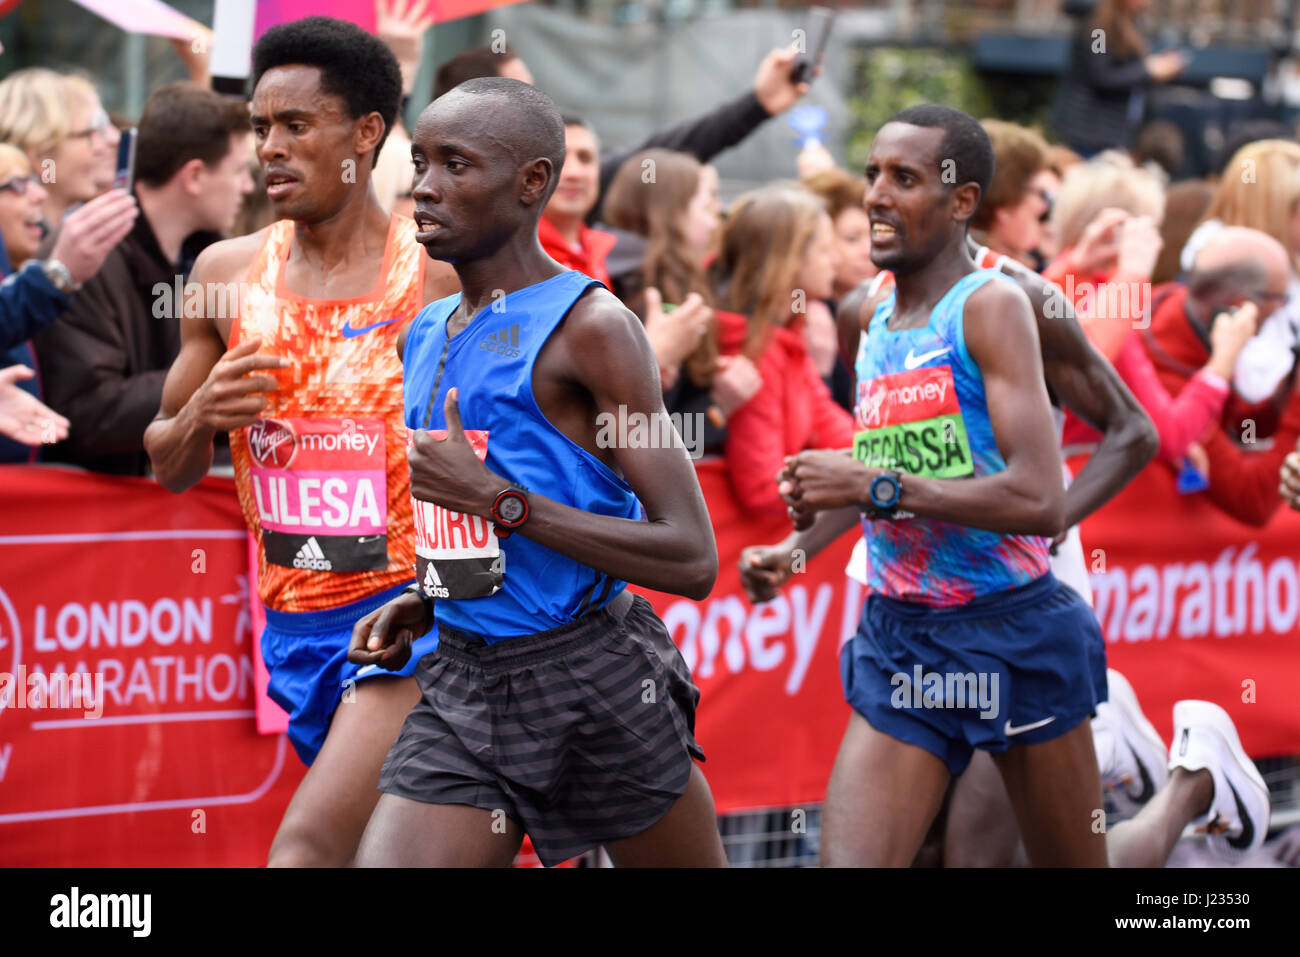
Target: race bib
<point x="456" y="555"/>
<point x="321" y="489"/>
<point x="912" y="421"/>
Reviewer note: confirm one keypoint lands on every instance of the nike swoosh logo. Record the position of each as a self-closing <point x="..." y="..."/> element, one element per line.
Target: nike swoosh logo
<point x="1010" y="731"/>
<point x="1243" y="840"/>
<point x="913" y="361"/>
<point x="1148" y="786"/>
<point x="350" y="333"/>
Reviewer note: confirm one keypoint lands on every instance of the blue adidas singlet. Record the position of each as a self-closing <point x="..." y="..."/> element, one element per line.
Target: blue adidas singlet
<point x="921" y="409"/>
<point x="484" y="585"/>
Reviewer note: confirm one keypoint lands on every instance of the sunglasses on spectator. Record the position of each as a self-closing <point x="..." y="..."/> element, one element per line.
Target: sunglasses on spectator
<point x="1049" y="199"/>
<point x="18" y="184"/>
<point x="99" y="123"/>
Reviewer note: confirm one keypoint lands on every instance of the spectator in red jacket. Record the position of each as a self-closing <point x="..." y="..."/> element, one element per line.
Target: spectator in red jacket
<point x="1236" y="266"/>
<point x="1109" y="211"/>
<point x="563" y="229"/>
<point x="776" y="253"/>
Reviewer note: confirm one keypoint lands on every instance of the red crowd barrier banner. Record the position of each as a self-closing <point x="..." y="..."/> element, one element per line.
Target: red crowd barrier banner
<point x="162" y="765"/>
<point x="147" y="593"/>
<point x="1195" y="604"/>
<point x="772" y="710"/>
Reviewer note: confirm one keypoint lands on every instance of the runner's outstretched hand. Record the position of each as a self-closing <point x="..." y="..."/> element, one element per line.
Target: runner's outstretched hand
<point x="384" y="636"/>
<point x="764" y="569"/>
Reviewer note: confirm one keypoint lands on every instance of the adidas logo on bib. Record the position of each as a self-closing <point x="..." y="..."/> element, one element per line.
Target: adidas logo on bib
<point x="504" y="343"/>
<point x="433" y="586"/>
<point x="311" y="557"/>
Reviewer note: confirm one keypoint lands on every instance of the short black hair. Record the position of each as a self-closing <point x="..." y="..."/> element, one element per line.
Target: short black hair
<point x="573" y="119"/>
<point x="354" y="64"/>
<point x="534" y="125"/>
<point x="470" y="65"/>
<point x="965" y="142"/>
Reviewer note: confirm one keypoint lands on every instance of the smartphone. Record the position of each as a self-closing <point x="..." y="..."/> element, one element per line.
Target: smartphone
<point x="124" y="178"/>
<point x="814" y="45"/>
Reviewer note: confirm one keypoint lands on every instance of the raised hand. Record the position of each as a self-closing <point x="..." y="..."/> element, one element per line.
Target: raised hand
<point x="447" y="471"/>
<point x="229" y="398"/>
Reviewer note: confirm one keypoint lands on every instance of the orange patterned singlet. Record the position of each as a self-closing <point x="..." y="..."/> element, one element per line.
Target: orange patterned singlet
<point x="322" y="474"/>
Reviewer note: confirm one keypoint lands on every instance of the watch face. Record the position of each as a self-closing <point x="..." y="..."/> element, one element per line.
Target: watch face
<point x="511" y="508"/>
<point x="885" y="491"/>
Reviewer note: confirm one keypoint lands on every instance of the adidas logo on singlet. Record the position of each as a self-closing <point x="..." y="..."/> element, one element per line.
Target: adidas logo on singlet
<point x="311" y="557"/>
<point x="433" y="586"/>
<point x="504" y="343"/>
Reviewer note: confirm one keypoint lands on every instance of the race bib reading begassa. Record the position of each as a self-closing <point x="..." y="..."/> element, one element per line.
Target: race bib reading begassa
<point x="912" y="421"/>
<point x="322" y="492"/>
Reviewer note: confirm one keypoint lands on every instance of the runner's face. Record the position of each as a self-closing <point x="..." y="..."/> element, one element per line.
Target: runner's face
<point x="910" y="207"/>
<point x="467" y="188"/>
<point x="304" y="140"/>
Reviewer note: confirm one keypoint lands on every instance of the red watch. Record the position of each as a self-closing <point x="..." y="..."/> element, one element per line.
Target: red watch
<point x="509" y="510"/>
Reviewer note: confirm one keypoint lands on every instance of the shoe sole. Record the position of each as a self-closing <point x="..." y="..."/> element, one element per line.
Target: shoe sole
<point x="1190" y="713"/>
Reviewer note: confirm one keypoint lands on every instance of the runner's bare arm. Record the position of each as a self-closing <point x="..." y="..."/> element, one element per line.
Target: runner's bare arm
<point x="1027" y="496"/>
<point x="605" y="353"/>
<point x="205" y="391"/>
<point x="765" y="568"/>
<point x="1089" y="386"/>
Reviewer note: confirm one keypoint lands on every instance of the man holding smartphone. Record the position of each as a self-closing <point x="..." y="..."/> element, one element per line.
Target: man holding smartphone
<point x="103" y="363"/>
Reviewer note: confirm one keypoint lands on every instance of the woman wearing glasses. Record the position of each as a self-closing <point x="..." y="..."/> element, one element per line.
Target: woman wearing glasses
<point x="58" y="121"/>
<point x="35" y="292"/>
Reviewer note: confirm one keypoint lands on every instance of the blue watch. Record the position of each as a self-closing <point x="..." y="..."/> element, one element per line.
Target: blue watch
<point x="884" y="493"/>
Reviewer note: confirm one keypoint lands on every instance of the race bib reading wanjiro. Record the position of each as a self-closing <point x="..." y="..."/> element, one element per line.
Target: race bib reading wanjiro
<point x="912" y="421"/>
<point x="457" y="555"/>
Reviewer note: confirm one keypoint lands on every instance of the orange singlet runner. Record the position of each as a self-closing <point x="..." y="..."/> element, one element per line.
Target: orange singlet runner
<point x="322" y="475"/>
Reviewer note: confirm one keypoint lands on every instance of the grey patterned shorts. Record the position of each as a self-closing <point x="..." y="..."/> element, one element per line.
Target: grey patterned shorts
<point x="583" y="734"/>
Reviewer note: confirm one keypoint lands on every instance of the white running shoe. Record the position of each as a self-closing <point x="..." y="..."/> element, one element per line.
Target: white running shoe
<point x="1205" y="737"/>
<point x="1130" y="754"/>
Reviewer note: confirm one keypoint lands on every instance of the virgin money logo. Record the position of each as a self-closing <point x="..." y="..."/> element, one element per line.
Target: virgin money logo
<point x="272" y="443"/>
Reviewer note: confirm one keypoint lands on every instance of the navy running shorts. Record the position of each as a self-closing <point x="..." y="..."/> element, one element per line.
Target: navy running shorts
<point x="1021" y="666"/>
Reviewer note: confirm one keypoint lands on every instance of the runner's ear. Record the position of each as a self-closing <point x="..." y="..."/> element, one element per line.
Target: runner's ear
<point x="537" y="176"/>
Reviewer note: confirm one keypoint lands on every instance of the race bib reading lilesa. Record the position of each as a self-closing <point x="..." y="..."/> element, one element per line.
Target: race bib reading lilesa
<point x="321" y="489"/>
<point x="456" y="555"/>
<point x="912" y="421"/>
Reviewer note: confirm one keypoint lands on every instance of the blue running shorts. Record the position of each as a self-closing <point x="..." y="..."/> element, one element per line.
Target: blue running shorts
<point x="1021" y="666"/>
<point x="306" y="655"/>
